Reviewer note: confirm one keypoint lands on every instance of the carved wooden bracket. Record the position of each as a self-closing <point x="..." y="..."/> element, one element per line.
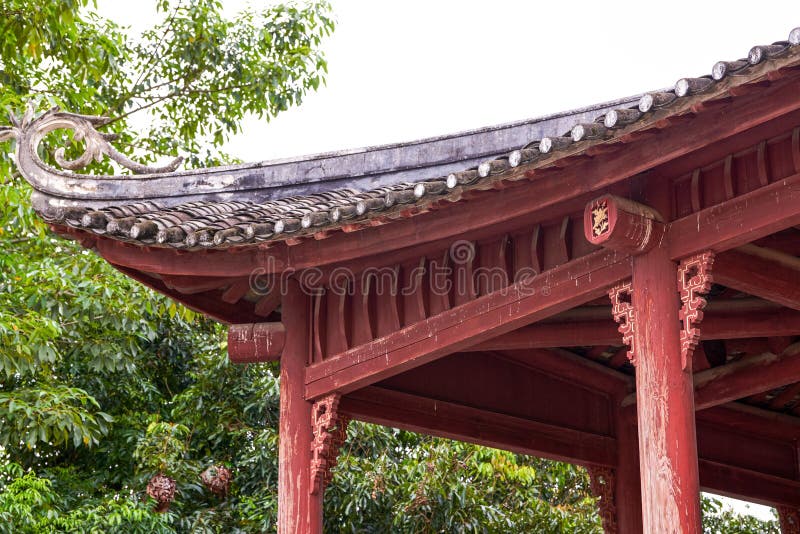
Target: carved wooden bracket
<point x="694" y="281"/>
<point x="602" y="481"/>
<point x="624" y="314"/>
<point x="330" y="432"/>
<point x="789" y="519"/>
<point x="622" y="224"/>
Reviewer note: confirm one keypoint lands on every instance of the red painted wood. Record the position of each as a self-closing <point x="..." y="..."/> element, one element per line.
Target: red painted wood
<point x="728" y="178"/>
<point x="568" y="366"/>
<point x="524" y="302"/>
<point x="299" y="512"/>
<point x="207" y="303"/>
<point x="739" y="221"/>
<point x="236" y="291"/>
<point x="196" y="284"/>
<point x="796" y="149"/>
<point x="361" y="329"/>
<point x="254" y="343"/>
<point x="748" y="485"/>
<point x="760" y="277"/>
<point x="753" y="452"/>
<point x="336" y="332"/>
<point x="439" y="283"/>
<point x="494" y="272"/>
<point x="746" y="377"/>
<point x="268" y="303"/>
<point x="746" y="419"/>
<point x="715" y="325"/>
<point x="462" y="259"/>
<point x="621" y="224"/>
<point x="445" y="419"/>
<point x="564" y="242"/>
<point x="385" y="296"/>
<point x="724" y="471"/>
<point x="667" y="438"/>
<point x="413" y="292"/>
<point x="319" y="327"/>
<point x="761" y="164"/>
<point x="514" y="388"/>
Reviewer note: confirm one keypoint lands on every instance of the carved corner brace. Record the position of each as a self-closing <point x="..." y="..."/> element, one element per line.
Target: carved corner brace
<point x="624" y="314"/>
<point x="694" y="281"/>
<point x="602" y="481"/>
<point x="789" y="519"/>
<point x="330" y="432"/>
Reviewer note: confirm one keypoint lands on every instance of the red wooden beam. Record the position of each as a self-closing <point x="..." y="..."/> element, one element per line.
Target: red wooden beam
<point x="593" y="333"/>
<point x="759" y="276"/>
<point x="454" y="421"/>
<point x="524" y="302"/>
<point x="255" y="342"/>
<point x="746" y="377"/>
<point x="739" y="221"/>
<point x="740" y="379"/>
<point x="747" y="419"/>
<point x="748" y="485"/>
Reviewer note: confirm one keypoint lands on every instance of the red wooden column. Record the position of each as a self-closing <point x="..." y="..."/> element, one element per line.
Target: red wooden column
<point x="665" y="401"/>
<point x="299" y="507"/>
<point x="648" y="312"/>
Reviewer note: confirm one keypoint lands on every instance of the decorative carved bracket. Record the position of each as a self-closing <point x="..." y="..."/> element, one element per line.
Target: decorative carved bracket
<point x="602" y="481"/>
<point x="622" y="224"/>
<point x="694" y="281"/>
<point x="330" y="432"/>
<point x="789" y="519"/>
<point x="624" y="314"/>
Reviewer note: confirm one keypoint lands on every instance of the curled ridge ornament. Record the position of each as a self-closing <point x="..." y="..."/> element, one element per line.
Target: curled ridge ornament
<point x="30" y="130"/>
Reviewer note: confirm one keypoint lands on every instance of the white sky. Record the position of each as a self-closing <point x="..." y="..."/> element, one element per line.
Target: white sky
<point x="404" y="70"/>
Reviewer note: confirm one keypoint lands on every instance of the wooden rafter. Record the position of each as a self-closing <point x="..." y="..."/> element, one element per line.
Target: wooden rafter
<point x="755" y="274"/>
<point x="743" y="378"/>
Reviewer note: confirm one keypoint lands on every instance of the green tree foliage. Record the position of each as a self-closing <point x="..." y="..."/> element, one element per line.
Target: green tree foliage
<point x="104" y="384"/>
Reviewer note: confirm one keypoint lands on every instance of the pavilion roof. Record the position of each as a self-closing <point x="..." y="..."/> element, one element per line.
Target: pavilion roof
<point x="288" y="199"/>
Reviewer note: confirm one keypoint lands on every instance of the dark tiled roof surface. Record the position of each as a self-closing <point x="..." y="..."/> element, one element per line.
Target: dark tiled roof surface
<point x="215" y="224"/>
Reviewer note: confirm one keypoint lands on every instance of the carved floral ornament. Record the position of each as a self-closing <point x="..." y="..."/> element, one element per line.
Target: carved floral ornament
<point x="602" y="481"/>
<point x="694" y="282"/>
<point x="330" y="433"/>
<point x="30" y="130"/>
